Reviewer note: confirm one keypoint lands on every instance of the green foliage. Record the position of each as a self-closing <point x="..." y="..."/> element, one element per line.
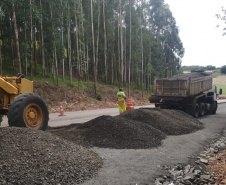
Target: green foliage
<point x="99" y="97"/>
<point x="216" y="72"/>
<point x="223" y="69"/>
<point x="190" y="68"/>
<point x="222" y="17"/>
<point x="162" y="47"/>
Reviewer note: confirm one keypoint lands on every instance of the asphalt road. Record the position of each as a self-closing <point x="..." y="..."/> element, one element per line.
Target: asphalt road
<point x="143" y="166"/>
<point x="77" y="117"/>
<point x="81" y="116"/>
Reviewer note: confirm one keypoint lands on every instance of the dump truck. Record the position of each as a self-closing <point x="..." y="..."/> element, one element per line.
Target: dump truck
<point x="192" y="92"/>
<point x="22" y="107"/>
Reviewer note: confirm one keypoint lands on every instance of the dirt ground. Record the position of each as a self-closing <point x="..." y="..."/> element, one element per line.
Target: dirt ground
<point x="218" y="167"/>
<point x="221" y="79"/>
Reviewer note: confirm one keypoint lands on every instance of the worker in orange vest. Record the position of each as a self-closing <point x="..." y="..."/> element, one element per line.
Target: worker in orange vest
<point x="121" y="101"/>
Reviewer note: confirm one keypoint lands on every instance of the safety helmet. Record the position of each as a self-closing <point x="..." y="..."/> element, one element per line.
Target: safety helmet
<point x="120" y="89"/>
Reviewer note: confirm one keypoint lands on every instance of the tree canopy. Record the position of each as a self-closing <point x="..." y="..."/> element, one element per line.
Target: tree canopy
<point x="112" y="41"/>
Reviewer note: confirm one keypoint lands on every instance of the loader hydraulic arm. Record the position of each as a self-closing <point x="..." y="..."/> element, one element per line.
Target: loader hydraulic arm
<point x="8" y="87"/>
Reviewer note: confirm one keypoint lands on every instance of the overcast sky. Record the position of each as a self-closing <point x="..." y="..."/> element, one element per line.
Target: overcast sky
<point x="203" y="42"/>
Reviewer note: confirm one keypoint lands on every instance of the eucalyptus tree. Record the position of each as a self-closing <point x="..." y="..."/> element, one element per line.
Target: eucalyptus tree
<point x="42" y="42"/>
<point x="0" y="43"/>
<point x="0" y="56"/>
<point x="121" y="36"/>
<point x="16" y="37"/>
<point x="71" y="33"/>
<point x="94" y="62"/>
<point x="222" y="17"/>
<point x="167" y="33"/>
<point x="31" y="37"/>
<point x="105" y="42"/>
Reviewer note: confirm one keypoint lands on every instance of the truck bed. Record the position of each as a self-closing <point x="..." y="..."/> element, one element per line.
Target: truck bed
<point x="183" y="85"/>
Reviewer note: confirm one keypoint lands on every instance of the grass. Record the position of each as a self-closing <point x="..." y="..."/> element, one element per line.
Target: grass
<point x="216" y="73"/>
<point x="223" y="87"/>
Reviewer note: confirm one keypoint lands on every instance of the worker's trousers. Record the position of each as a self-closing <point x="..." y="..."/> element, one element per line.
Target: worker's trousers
<point x="122" y="107"/>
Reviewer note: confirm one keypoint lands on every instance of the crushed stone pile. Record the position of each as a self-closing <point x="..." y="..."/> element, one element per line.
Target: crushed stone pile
<point x="118" y="132"/>
<point x="170" y="122"/>
<point x="36" y="157"/>
<point x="134" y="129"/>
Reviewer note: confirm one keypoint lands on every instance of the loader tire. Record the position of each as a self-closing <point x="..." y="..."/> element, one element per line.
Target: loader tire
<point x="28" y="110"/>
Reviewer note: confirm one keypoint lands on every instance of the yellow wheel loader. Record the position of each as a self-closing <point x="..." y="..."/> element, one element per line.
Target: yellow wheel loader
<point x="22" y="107"/>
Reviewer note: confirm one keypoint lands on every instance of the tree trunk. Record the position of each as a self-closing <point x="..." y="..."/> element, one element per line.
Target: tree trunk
<point x="53" y="67"/>
<point x="94" y="63"/>
<point x="43" y="49"/>
<point x="121" y="34"/>
<point x="130" y="47"/>
<point x="87" y="60"/>
<point x="98" y="35"/>
<point x="53" y="47"/>
<point x="105" y="44"/>
<point x="17" y="39"/>
<point x="83" y="38"/>
<point x="125" y="61"/>
<point x="25" y="39"/>
<point x="0" y="57"/>
<point x="142" y="52"/>
<point x="35" y="57"/>
<point x="119" y="69"/>
<point x="56" y="67"/>
<point x="113" y="54"/>
<point x="69" y="44"/>
<point x="31" y="44"/>
<point x="62" y="40"/>
<point x="77" y="41"/>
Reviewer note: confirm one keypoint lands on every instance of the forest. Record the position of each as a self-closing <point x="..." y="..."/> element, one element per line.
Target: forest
<point x="120" y="42"/>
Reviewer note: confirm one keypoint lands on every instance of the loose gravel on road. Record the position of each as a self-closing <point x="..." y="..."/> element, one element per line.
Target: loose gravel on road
<point x="134" y="129"/>
<point x="36" y="157"/>
<point x="207" y="168"/>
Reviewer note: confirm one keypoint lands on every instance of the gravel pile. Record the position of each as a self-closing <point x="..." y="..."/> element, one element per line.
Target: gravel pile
<point x="119" y="132"/>
<point x="170" y="122"/>
<point x="36" y="157"/>
<point x="134" y="129"/>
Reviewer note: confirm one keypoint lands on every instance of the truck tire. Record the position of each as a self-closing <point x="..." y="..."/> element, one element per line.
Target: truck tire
<point x="1" y="119"/>
<point x="214" y="109"/>
<point x="156" y="105"/>
<point x="196" y="110"/>
<point x="28" y="110"/>
<point x="201" y="109"/>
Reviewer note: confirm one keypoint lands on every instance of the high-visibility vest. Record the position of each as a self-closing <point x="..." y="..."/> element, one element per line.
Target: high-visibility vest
<point x="121" y="95"/>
